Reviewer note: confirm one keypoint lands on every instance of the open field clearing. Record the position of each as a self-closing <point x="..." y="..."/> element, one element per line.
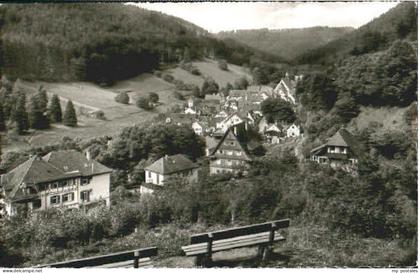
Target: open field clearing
<point x="209" y="68"/>
<point x="392" y="118"/>
<point x="94" y="97"/>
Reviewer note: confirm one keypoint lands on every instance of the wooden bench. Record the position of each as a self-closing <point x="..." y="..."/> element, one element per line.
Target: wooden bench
<point x="126" y="259"/>
<point x="264" y="235"/>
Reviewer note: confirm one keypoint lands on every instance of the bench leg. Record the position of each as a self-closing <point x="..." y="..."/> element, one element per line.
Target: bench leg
<point x="264" y="252"/>
<point x="267" y="253"/>
<point x="203" y="260"/>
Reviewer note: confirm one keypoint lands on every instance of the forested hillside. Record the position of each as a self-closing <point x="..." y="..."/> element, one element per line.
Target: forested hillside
<point x="101" y="42"/>
<point x="399" y="23"/>
<point x="286" y="43"/>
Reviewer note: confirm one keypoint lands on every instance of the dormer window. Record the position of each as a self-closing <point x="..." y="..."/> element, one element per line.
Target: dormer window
<point x="66" y="168"/>
<point x="84" y="181"/>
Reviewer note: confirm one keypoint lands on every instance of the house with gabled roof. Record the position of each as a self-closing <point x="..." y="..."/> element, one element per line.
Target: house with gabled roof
<point x="293" y="130"/>
<point x="231" y="155"/>
<point x="339" y="151"/>
<point x="286" y="88"/>
<point x="166" y="167"/>
<point x="232" y="120"/>
<point x="61" y="179"/>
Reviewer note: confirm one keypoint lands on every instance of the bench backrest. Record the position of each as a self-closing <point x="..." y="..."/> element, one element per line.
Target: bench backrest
<point x="239" y="231"/>
<point x="107" y="259"/>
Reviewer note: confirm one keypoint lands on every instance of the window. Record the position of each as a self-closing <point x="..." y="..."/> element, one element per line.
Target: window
<point x="157" y="178"/>
<point x="149" y="174"/>
<point x="63" y="184"/>
<point x="68" y="197"/>
<point x="36" y="204"/>
<point x="84" y="181"/>
<point x="85" y="196"/>
<point x="53" y="186"/>
<point x="55" y="199"/>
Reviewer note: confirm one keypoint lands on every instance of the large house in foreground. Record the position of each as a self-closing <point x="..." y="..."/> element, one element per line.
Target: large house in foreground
<point x="165" y="167"/>
<point x="230" y="155"/>
<point x="340" y="151"/>
<point x="67" y="179"/>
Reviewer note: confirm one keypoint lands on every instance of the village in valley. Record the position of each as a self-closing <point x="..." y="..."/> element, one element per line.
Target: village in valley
<point x="201" y="154"/>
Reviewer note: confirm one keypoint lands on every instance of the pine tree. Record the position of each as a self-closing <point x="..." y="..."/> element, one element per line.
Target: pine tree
<point x="20" y="115"/>
<point x="37" y="117"/>
<point x="55" y="112"/>
<point x="70" y="118"/>
<point x="2" y="119"/>
<point x="42" y="99"/>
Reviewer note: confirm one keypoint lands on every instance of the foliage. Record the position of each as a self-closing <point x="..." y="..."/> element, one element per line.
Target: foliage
<point x="316" y="91"/>
<point x="70" y="117"/>
<point x="209" y="87"/>
<point x="222" y="64"/>
<point x="122" y="97"/>
<point x="276" y="109"/>
<point x="241" y="83"/>
<point x="178" y="95"/>
<point x="37" y="114"/>
<point x="398" y="23"/>
<point x="2" y="119"/>
<point x="20" y="115"/>
<point x="54" y="110"/>
<point x="287" y="43"/>
<point x="103" y="43"/>
<point x="153" y="97"/>
<point x="138" y="143"/>
<point x="144" y="103"/>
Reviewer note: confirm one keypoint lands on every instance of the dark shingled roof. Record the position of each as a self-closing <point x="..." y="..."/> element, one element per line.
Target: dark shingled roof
<point x="49" y="168"/>
<point x="72" y="161"/>
<point x="231" y="136"/>
<point x="171" y="164"/>
<point x="344" y="139"/>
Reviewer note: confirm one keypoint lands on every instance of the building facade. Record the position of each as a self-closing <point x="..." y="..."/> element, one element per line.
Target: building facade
<point x="340" y="151"/>
<point x="61" y="179"/>
<point x="230" y="155"/>
<point x="166" y="167"/>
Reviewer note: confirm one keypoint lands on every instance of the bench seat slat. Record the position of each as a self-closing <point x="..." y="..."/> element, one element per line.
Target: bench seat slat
<point x="145" y="262"/>
<point x="235" y="244"/>
<point x="228" y="241"/>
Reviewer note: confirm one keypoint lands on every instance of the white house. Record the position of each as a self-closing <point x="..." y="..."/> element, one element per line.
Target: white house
<point x="231" y="120"/>
<point x="293" y="131"/>
<point x="198" y="128"/>
<point x="168" y="166"/>
<point x="61" y="179"/>
<point x="286" y="88"/>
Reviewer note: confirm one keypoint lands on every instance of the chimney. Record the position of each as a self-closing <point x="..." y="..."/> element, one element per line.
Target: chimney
<point x="88" y="155"/>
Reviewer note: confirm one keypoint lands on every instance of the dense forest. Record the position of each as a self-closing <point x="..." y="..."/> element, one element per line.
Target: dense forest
<point x="399" y="23"/>
<point x="102" y="42"/>
<point x="286" y="43"/>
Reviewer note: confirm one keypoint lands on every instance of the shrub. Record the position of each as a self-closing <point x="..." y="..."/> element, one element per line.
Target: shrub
<point x="144" y="103"/>
<point x="122" y="98"/>
<point x="196" y="72"/>
<point x="222" y="64"/>
<point x="153" y="97"/>
<point x="168" y="78"/>
<point x="178" y="96"/>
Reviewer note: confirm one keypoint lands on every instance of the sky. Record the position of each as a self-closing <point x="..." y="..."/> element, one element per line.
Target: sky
<point x="219" y="16"/>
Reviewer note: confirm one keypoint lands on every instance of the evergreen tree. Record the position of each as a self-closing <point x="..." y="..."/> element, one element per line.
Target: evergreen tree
<point x="2" y="119"/>
<point x="37" y="118"/>
<point x="42" y="99"/>
<point x="55" y="112"/>
<point x="20" y="115"/>
<point x="70" y="118"/>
